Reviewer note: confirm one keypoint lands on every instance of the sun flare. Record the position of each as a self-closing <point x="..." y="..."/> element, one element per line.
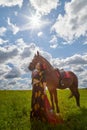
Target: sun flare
<point x="35" y="22"/>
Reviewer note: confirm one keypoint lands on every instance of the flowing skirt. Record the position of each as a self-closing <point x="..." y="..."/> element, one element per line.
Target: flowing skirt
<point x="41" y="109"/>
<point x="52" y="117"/>
<point x="37" y="104"/>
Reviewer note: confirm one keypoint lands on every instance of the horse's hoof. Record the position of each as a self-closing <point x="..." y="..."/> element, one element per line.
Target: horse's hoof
<point x="78" y="106"/>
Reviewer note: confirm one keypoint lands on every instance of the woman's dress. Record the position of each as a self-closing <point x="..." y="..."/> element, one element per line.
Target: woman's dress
<point x="37" y="102"/>
<point x="40" y="106"/>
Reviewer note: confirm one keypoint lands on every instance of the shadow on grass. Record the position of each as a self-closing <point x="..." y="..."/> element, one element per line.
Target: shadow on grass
<point x="77" y="120"/>
<point x="37" y="125"/>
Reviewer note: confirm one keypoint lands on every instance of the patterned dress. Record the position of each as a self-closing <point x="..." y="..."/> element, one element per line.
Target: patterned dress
<point x="37" y="102"/>
<point x="40" y="107"/>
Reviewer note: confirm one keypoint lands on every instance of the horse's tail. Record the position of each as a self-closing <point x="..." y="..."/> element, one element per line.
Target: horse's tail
<point x="74" y="89"/>
<point x="75" y="80"/>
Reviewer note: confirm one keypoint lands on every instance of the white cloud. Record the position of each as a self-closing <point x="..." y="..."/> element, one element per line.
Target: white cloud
<point x="72" y="61"/>
<point x="10" y="3"/>
<point x="13" y="73"/>
<point x="18" y="56"/>
<point x="40" y="34"/>
<point x="77" y="59"/>
<point x="3" y="84"/>
<point x="6" y="54"/>
<point x="54" y="39"/>
<point x="85" y="43"/>
<point x="16" y="13"/>
<point x="74" y="23"/>
<point x="53" y="42"/>
<point x="78" y="68"/>
<point x="83" y="79"/>
<point x="53" y="45"/>
<point x="44" y="6"/>
<point x="24" y="84"/>
<point x="26" y="52"/>
<point x="20" y="44"/>
<point x="2" y="31"/>
<point x="3" y="41"/>
<point x="28" y="49"/>
<point x="3" y="70"/>
<point x="12" y="83"/>
<point x="12" y="26"/>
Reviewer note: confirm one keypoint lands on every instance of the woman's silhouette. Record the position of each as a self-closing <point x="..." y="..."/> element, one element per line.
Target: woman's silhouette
<point x="40" y="106"/>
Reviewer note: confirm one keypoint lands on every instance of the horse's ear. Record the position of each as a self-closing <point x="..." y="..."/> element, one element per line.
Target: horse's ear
<point x="37" y="53"/>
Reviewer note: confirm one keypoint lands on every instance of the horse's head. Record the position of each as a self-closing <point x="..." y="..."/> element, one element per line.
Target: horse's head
<point x="35" y="60"/>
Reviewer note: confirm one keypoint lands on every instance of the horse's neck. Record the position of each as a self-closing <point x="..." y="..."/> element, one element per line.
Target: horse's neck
<point x="48" y="65"/>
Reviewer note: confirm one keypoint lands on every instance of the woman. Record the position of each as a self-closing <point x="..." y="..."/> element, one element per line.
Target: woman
<point x="40" y="106"/>
<point x="37" y="103"/>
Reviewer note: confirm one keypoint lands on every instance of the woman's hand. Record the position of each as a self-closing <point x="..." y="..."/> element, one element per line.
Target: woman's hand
<point x="44" y="84"/>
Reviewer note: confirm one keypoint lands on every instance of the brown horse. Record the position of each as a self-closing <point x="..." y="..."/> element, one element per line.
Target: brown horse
<point x="53" y="80"/>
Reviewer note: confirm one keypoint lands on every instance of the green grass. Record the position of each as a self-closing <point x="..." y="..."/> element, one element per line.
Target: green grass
<point x="15" y="111"/>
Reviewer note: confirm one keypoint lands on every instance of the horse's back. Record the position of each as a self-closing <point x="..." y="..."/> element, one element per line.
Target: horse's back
<point x="68" y="79"/>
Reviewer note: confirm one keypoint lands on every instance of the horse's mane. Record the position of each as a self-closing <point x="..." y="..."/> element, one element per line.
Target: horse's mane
<point x="47" y="63"/>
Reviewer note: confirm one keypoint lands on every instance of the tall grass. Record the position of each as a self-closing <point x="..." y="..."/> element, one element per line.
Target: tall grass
<point x="15" y="111"/>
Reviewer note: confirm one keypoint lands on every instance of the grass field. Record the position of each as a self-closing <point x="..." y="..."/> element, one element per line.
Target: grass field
<point x="15" y="110"/>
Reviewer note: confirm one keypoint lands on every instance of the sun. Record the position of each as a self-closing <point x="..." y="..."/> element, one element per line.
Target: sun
<point x="35" y="22"/>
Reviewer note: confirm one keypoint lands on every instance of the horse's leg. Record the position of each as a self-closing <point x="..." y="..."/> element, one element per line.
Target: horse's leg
<point x="51" y="97"/>
<point x="76" y="94"/>
<point x="56" y="100"/>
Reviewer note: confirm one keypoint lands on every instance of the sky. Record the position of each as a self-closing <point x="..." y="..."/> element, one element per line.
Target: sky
<point x="57" y="29"/>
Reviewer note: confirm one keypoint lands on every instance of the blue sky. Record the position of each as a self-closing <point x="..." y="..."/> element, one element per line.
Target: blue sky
<point x="58" y="29"/>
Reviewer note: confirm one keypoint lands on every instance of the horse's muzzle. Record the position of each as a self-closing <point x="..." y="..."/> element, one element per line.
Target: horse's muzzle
<point x="31" y="66"/>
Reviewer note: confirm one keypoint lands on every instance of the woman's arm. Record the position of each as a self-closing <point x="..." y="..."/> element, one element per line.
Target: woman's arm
<point x="45" y="85"/>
